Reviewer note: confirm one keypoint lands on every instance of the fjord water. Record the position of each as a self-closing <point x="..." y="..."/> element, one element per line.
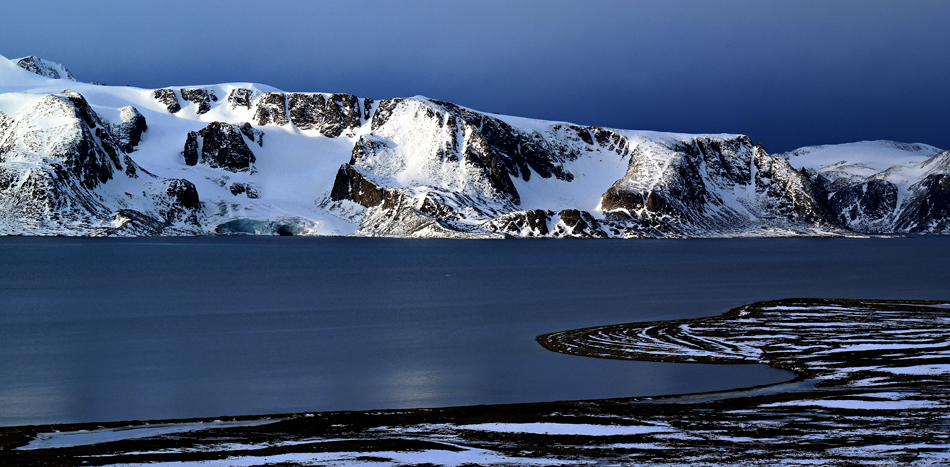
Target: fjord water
<point x="121" y="329"/>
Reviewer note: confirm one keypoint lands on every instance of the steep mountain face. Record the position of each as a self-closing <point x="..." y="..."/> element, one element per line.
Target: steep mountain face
<point x="330" y="115"/>
<point x="459" y="169"/>
<point x="927" y="209"/>
<point x="128" y="132"/>
<point x="188" y="161"/>
<point x="222" y="145"/>
<point x="882" y="186"/>
<point x="45" y="68"/>
<point x="710" y="185"/>
<point x="58" y="163"/>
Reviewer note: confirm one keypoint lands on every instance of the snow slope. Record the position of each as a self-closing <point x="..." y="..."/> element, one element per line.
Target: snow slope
<point x="880" y="186"/>
<point x="337" y="164"/>
<point x="898" y="163"/>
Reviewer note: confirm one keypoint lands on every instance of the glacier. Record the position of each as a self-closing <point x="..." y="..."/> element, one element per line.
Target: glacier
<point x="88" y="159"/>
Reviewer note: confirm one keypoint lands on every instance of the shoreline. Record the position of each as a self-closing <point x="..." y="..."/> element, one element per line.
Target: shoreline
<point x="873" y="390"/>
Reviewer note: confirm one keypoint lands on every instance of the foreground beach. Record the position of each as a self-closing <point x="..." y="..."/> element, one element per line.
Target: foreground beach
<point x="872" y="389"/>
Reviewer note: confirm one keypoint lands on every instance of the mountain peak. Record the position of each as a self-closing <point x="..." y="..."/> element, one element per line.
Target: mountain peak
<point x="45" y="68"/>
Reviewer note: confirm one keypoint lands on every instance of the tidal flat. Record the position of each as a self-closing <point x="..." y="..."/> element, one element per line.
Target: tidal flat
<point x="872" y="389"/>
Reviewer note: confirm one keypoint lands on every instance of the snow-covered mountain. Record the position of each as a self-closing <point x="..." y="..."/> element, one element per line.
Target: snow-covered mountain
<point x="882" y="186"/>
<point x="242" y="158"/>
<point x="45" y="68"/>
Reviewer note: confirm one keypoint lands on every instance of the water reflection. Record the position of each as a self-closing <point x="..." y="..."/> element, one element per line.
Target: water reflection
<point x="142" y="329"/>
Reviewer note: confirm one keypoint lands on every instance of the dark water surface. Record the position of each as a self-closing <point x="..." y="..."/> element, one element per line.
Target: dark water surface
<point x="118" y="329"/>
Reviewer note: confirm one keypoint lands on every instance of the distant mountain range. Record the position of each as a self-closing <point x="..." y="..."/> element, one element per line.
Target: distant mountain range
<point x="239" y="158"/>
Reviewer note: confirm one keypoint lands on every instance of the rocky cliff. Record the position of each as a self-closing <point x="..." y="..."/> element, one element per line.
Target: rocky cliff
<point x="63" y="172"/>
<point x="193" y="160"/>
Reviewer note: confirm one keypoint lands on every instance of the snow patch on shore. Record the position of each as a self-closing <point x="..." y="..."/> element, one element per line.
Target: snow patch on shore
<point x="67" y="439"/>
<point x="568" y="429"/>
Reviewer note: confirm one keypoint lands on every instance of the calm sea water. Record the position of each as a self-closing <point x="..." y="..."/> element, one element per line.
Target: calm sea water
<point x="119" y="329"/>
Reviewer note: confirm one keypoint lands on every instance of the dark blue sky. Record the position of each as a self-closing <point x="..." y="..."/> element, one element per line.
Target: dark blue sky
<point x="787" y="73"/>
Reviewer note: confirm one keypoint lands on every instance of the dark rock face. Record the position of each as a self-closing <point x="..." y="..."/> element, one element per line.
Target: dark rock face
<point x="306" y="110"/>
<point x="168" y="98"/>
<point x="367" y="108"/>
<point x="399" y="215"/>
<point x="687" y="194"/>
<point x="240" y="97"/>
<point x="862" y="203"/>
<point x="617" y="197"/>
<point x="237" y="188"/>
<point x="531" y="223"/>
<point x="480" y="153"/>
<point x="219" y="145"/>
<point x="366" y="147"/>
<point x="434" y="207"/>
<point x="253" y="134"/>
<point x="789" y="193"/>
<point x="351" y="185"/>
<point x="577" y="224"/>
<point x="929" y="210"/>
<point x="568" y="223"/>
<point x="184" y="198"/>
<point x="534" y="221"/>
<point x="683" y="195"/>
<point x="128" y="133"/>
<point x="177" y="210"/>
<point x="201" y="97"/>
<point x="383" y="112"/>
<point x="37" y="65"/>
<point x="184" y="193"/>
<point x="485" y="154"/>
<point x="271" y="108"/>
<point x="132" y="169"/>
<point x="330" y="115"/>
<point x="517" y="153"/>
<point x="44" y="197"/>
<point x="537" y="221"/>
<point x="191" y="151"/>
<point x="342" y="112"/>
<point x="879" y="205"/>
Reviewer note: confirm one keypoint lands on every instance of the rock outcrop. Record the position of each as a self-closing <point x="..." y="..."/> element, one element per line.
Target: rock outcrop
<point x="247" y="189"/>
<point x="168" y="98"/>
<point x="219" y="145"/>
<point x="128" y="132"/>
<point x="45" y="68"/>
<point x="200" y="97"/>
<point x="331" y="115"/>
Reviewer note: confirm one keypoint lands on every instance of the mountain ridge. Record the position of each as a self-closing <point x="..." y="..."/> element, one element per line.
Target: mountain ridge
<point x="240" y="158"/>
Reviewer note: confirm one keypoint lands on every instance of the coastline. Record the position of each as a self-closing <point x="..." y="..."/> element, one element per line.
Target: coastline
<point x="875" y="390"/>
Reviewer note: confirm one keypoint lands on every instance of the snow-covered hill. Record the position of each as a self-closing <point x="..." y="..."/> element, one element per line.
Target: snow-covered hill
<point x="243" y="158"/>
<point x="45" y="68"/>
<point x="882" y="186"/>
